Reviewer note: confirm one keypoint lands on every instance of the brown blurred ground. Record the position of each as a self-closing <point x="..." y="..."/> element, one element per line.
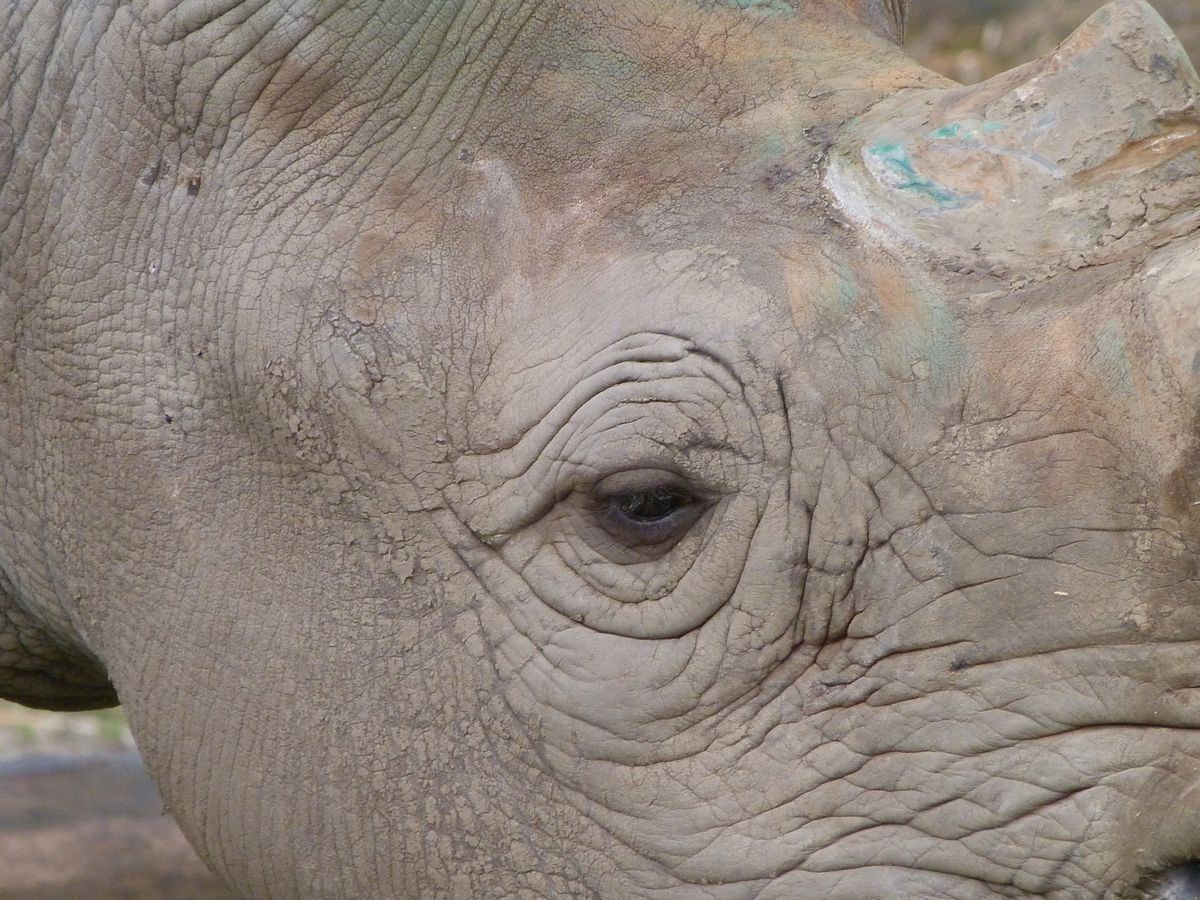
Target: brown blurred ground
<point x="79" y="818"/>
<point x="78" y="815"/>
<point x="91" y="827"/>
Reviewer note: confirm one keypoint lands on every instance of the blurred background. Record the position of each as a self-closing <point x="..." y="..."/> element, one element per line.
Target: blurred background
<point x="78" y="817"/>
<point x="970" y="40"/>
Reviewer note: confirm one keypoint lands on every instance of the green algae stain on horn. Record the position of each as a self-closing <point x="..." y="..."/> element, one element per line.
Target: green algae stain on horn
<point x="894" y="166"/>
<point x="964" y="131"/>
<point x="947" y="132"/>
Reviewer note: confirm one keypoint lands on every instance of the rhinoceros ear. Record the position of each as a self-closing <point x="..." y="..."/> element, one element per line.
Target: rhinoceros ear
<point x="1079" y="158"/>
<point x="886" y="17"/>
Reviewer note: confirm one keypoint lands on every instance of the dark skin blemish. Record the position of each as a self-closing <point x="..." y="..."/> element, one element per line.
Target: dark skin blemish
<point x="778" y="176"/>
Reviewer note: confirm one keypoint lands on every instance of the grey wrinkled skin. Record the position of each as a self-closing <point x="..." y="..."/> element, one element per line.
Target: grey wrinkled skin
<point x="342" y="344"/>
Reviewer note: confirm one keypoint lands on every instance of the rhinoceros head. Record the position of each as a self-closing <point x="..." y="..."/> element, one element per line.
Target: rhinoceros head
<point x="632" y="449"/>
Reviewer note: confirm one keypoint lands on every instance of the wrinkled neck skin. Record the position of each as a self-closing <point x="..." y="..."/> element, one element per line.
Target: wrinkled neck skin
<point x="370" y="312"/>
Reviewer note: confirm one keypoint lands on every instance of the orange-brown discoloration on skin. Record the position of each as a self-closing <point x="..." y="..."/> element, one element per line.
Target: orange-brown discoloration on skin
<point x="698" y="73"/>
<point x="1066" y="341"/>
<point x="298" y="96"/>
<point x="369" y="248"/>
<point x="981" y="174"/>
<point x="1138" y="156"/>
<point x="897" y="300"/>
<point x="805" y="284"/>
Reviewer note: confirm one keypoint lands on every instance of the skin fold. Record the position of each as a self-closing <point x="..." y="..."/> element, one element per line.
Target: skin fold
<point x="610" y="449"/>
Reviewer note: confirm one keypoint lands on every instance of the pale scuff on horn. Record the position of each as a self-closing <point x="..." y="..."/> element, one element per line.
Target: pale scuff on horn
<point x="1083" y="157"/>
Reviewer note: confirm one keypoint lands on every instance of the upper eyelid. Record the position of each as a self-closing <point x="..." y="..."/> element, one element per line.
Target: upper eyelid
<point x="637" y="369"/>
<point x="510" y="488"/>
<point x="641" y="479"/>
<point x="629" y="360"/>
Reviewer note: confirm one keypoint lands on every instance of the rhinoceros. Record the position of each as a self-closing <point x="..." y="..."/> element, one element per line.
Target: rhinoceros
<point x="554" y="448"/>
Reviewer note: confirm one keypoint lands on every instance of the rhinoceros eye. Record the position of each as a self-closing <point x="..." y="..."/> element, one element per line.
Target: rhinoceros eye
<point x="640" y="509"/>
<point x="652" y="506"/>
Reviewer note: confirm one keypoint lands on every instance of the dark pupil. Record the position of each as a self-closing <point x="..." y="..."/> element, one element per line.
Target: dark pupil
<point x="650" y="506"/>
